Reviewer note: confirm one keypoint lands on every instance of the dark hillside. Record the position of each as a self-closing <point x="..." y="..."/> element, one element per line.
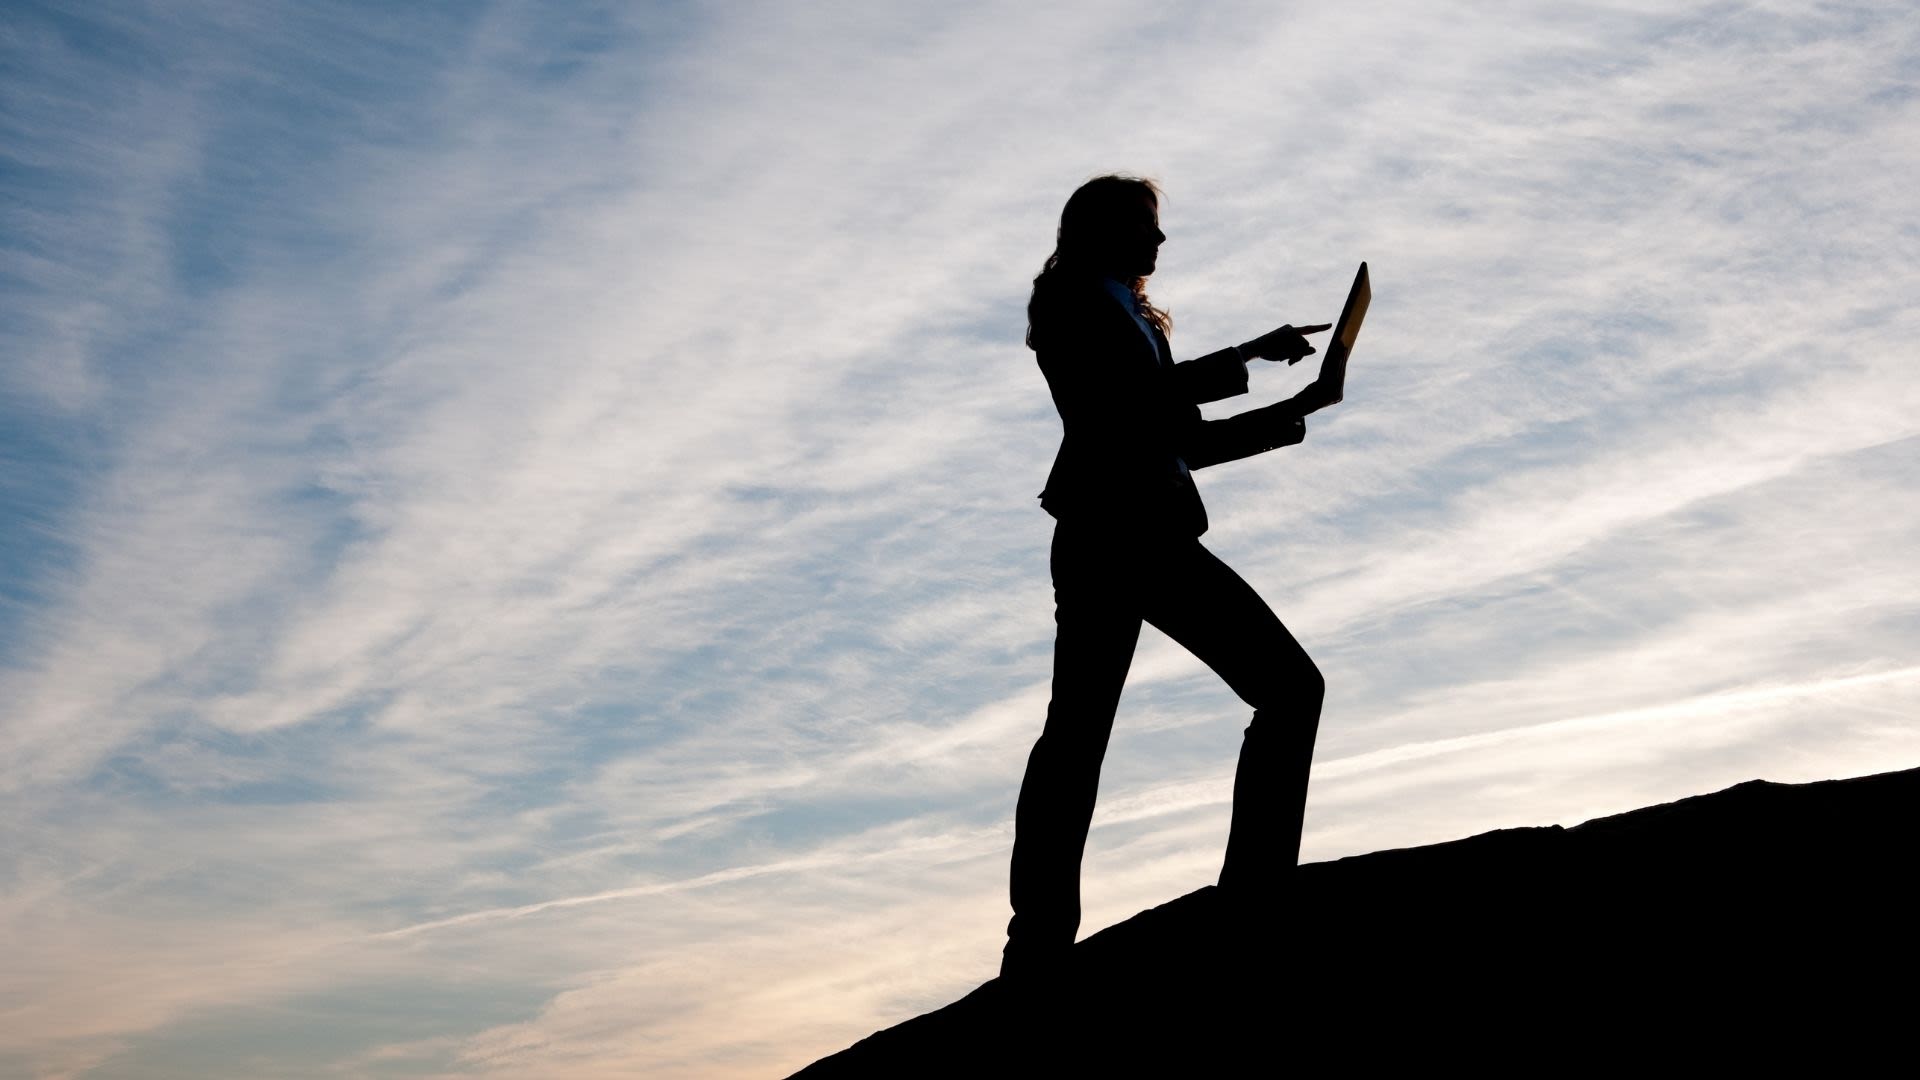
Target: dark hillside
<point x="1764" y="925"/>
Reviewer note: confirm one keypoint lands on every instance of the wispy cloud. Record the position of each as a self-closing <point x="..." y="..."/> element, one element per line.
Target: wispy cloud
<point x="526" y="550"/>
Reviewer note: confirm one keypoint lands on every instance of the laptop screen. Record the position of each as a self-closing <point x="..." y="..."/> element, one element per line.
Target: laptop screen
<point x="1333" y="370"/>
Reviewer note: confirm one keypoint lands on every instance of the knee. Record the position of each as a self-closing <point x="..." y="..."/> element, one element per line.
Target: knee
<point x="1313" y="688"/>
<point x="1296" y="693"/>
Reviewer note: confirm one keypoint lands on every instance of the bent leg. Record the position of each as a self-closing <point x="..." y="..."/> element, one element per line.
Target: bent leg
<point x="1093" y="648"/>
<point x="1216" y="615"/>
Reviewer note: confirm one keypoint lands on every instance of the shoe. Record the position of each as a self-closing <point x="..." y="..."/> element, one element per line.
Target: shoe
<point x="1035" y="964"/>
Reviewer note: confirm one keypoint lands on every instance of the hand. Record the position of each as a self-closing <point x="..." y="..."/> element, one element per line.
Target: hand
<point x="1315" y="396"/>
<point x="1288" y="343"/>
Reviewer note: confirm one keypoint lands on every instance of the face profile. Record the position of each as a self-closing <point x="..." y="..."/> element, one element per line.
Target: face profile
<point x="1136" y="239"/>
<point x="1111" y="226"/>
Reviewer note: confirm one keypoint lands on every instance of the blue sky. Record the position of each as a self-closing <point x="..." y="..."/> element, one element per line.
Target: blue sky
<point x="521" y="555"/>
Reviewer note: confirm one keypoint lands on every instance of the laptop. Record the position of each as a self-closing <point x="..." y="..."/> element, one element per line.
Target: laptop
<point x="1333" y="367"/>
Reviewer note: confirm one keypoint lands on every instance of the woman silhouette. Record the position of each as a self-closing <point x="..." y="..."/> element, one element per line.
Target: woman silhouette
<point x="1126" y="548"/>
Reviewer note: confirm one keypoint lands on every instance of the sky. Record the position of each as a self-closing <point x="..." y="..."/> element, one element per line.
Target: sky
<point x="520" y="549"/>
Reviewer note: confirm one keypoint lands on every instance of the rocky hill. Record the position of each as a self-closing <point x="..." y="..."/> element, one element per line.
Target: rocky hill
<point x="1764" y="925"/>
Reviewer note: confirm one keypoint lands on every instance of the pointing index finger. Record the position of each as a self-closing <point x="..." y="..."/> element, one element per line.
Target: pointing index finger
<point x="1316" y="328"/>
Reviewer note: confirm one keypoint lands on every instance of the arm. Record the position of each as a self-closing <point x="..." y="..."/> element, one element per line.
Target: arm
<point x="1223" y="374"/>
<point x="1252" y="432"/>
<point x="1259" y="430"/>
<point x="1211" y="377"/>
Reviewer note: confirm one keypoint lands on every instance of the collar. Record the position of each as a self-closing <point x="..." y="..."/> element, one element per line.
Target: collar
<point x="1120" y="291"/>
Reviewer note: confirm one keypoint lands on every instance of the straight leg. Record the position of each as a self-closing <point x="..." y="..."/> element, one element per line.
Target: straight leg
<point x="1098" y="625"/>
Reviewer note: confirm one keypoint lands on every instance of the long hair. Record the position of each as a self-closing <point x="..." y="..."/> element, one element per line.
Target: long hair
<point x="1089" y="215"/>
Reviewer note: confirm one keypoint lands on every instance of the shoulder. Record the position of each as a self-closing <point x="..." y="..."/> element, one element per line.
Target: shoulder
<point x="1063" y="304"/>
<point x="1061" y="290"/>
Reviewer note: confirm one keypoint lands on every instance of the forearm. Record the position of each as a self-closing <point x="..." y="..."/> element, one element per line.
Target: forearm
<point x="1253" y="432"/>
<point x="1217" y="375"/>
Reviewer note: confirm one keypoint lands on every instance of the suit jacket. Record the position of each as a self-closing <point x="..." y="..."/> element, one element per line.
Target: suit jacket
<point x="1131" y="419"/>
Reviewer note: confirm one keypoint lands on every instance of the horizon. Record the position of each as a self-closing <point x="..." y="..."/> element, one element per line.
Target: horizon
<point x="522" y="550"/>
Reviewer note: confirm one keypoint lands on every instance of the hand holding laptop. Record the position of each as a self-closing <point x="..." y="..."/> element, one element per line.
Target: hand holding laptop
<point x="1314" y="396"/>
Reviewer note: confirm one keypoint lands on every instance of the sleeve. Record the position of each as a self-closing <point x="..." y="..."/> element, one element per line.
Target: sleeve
<point x="1211" y="377"/>
<point x="1252" y="432"/>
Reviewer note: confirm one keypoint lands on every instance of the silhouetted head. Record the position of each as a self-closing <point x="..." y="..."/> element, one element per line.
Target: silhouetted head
<point x="1110" y="227"/>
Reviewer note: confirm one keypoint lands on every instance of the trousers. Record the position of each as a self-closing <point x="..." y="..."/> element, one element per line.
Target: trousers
<point x="1105" y="584"/>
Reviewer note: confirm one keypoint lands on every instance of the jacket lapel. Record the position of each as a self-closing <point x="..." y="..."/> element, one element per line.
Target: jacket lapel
<point x="1152" y="347"/>
<point x="1163" y="353"/>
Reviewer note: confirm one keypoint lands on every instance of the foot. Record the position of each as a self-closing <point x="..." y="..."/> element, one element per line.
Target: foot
<point x="1248" y="892"/>
<point x="1034" y="964"/>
